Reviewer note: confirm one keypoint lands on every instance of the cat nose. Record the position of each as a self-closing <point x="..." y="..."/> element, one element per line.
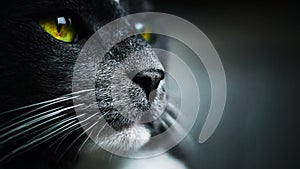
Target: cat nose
<point x="149" y="80"/>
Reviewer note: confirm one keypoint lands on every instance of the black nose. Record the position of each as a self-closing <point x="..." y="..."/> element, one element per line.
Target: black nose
<point x="149" y="80"/>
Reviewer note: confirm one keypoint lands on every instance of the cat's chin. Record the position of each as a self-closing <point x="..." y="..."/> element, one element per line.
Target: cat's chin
<point x="128" y="140"/>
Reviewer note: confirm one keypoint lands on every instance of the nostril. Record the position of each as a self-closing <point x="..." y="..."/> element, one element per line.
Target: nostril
<point x="148" y="80"/>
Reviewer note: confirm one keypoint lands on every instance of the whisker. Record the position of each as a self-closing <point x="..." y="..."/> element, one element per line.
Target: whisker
<point x="82" y="124"/>
<point x="82" y="134"/>
<point x="56" y="125"/>
<point x="33" y="144"/>
<point x="32" y="105"/>
<point x="21" y="126"/>
<point x="22" y="121"/>
<point x="81" y="146"/>
<point x="25" y="131"/>
<point x="25" y="114"/>
<point x="33" y="132"/>
<point x="59" y="99"/>
<point x="97" y="136"/>
<point x="63" y="137"/>
<point x="110" y="157"/>
<point x="36" y="121"/>
<point x="81" y="91"/>
<point x="90" y="105"/>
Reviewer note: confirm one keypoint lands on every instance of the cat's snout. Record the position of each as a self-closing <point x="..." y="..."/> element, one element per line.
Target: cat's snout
<point x="149" y="80"/>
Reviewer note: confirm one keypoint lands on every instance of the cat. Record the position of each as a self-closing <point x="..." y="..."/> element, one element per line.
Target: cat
<point x="40" y="42"/>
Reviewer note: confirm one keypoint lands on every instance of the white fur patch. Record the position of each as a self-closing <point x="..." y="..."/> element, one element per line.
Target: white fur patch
<point x="164" y="161"/>
<point x="103" y="160"/>
<point x="130" y="139"/>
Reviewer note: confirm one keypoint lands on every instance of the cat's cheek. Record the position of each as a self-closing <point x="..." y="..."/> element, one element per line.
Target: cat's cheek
<point x="130" y="139"/>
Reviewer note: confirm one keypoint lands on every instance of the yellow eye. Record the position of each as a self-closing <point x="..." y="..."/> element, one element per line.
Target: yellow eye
<point x="144" y="31"/>
<point x="60" y="28"/>
<point x="146" y="35"/>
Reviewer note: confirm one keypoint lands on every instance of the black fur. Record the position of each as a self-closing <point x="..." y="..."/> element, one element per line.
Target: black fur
<point x="36" y="67"/>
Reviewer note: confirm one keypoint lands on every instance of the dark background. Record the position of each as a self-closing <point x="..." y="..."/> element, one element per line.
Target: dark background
<point x="257" y="43"/>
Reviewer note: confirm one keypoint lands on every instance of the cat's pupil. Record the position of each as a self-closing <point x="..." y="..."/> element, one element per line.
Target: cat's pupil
<point x="60" y="21"/>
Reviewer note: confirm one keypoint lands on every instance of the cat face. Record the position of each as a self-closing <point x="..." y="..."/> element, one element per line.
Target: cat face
<point x="40" y="43"/>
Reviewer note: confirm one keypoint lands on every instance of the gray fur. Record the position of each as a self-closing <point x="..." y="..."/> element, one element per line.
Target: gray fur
<point x="35" y="68"/>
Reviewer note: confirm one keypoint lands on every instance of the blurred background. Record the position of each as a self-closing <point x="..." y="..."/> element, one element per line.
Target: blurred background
<point x="257" y="43"/>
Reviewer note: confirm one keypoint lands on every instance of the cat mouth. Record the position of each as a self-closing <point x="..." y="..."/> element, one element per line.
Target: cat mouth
<point x="143" y="111"/>
<point x="127" y="99"/>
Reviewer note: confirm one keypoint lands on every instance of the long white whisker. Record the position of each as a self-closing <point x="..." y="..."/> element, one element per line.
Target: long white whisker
<point x="63" y="137"/>
<point x="33" y="132"/>
<point x="48" y="101"/>
<point x="81" y="91"/>
<point x="32" y="105"/>
<point x="27" y="130"/>
<point x="81" y="146"/>
<point x="76" y="140"/>
<point x="97" y="136"/>
<point x="25" y="114"/>
<point x="44" y="138"/>
<point x="86" y="120"/>
<point x="29" y="118"/>
<point x="56" y="125"/>
<point x="36" y="121"/>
